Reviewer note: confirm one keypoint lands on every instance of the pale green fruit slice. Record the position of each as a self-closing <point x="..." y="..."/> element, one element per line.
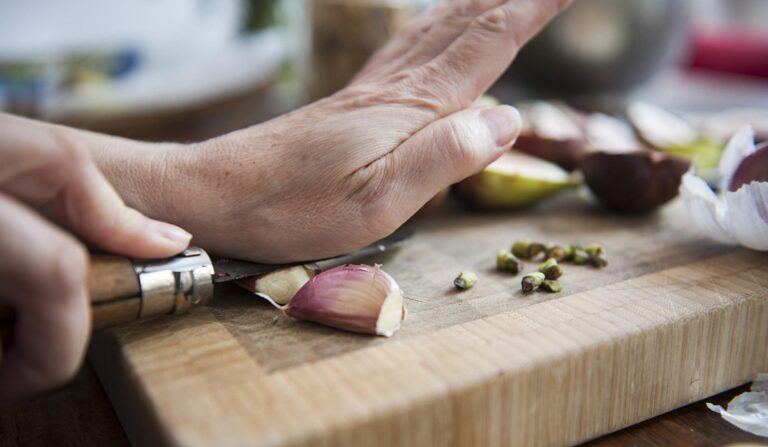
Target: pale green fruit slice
<point x="514" y="180"/>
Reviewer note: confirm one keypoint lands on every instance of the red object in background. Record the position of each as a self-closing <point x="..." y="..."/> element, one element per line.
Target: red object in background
<point x="730" y="50"/>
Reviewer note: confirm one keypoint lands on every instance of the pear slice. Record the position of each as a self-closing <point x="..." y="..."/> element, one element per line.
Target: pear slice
<point x="514" y="180"/>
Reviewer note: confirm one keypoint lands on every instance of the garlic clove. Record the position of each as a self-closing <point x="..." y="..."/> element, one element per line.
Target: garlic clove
<point x="747" y="215"/>
<point x="356" y="298"/>
<point x="705" y="208"/>
<point x="279" y="286"/>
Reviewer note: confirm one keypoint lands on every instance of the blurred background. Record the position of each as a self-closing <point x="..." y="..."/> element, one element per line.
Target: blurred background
<point x="192" y="69"/>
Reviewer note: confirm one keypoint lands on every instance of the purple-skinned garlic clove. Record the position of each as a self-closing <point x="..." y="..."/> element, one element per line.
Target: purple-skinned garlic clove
<point x="356" y="298"/>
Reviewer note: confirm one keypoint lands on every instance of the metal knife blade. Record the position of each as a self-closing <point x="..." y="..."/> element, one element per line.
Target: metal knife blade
<point x="232" y="269"/>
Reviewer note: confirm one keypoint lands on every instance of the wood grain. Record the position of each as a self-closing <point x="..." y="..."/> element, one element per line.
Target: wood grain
<point x="111" y="278"/>
<point x="674" y="318"/>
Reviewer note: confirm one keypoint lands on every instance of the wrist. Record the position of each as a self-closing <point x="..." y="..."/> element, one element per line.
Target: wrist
<point x="147" y="176"/>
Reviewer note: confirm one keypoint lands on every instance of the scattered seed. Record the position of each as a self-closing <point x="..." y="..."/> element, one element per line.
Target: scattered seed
<point x="507" y="262"/>
<point x="552" y="285"/>
<point x="465" y="280"/>
<point x="532" y="281"/>
<point x="551" y="269"/>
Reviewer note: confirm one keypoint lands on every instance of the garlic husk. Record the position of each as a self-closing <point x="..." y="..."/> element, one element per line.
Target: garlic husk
<point x="746" y="215"/>
<point x="279" y="286"/>
<point x="704" y="207"/>
<point x="739" y="216"/>
<point x="356" y="298"/>
<point x="748" y="411"/>
<point x="741" y="145"/>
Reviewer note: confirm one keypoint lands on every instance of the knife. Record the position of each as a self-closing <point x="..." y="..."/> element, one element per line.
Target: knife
<point x="123" y="289"/>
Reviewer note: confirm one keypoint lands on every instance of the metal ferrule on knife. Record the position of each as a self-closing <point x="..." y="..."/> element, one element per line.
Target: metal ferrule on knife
<point x="123" y="291"/>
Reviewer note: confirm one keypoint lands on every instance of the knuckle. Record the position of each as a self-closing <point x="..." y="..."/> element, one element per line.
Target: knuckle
<point x="407" y="88"/>
<point x="66" y="269"/>
<point x="430" y="88"/>
<point x="458" y="150"/>
<point x="495" y="22"/>
<point x="371" y="201"/>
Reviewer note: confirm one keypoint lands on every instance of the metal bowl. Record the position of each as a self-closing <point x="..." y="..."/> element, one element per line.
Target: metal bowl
<point x="604" y="46"/>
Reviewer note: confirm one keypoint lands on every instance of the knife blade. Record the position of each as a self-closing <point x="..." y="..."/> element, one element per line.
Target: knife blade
<point x="233" y="269"/>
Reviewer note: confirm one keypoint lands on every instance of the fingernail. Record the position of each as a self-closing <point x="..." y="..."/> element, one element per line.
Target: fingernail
<point x="503" y="122"/>
<point x="170" y="232"/>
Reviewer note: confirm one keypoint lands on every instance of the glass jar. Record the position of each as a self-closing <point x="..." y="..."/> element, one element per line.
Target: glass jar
<point x="345" y="33"/>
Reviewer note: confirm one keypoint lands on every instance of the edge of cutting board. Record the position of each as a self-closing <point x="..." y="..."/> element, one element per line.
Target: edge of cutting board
<point x="553" y="373"/>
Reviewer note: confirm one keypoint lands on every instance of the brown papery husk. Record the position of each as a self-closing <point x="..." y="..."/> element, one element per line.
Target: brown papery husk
<point x="565" y="153"/>
<point x="633" y="182"/>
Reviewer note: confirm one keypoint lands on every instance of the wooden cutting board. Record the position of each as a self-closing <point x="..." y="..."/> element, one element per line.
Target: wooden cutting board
<point x="673" y="318"/>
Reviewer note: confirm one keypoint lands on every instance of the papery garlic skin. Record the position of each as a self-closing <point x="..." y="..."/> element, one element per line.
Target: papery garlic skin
<point x="356" y="298"/>
<point x="739" y="216"/>
<point x="705" y="208"/>
<point x="748" y="411"/>
<point x="747" y="215"/>
<point x="741" y="145"/>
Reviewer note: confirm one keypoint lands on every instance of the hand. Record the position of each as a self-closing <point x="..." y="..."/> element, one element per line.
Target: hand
<point x="43" y="268"/>
<point x="349" y="169"/>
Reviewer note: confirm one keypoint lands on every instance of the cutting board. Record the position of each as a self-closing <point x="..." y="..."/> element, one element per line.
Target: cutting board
<point x="673" y="318"/>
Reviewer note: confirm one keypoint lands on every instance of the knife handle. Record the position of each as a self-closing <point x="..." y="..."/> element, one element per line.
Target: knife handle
<point x="122" y="289"/>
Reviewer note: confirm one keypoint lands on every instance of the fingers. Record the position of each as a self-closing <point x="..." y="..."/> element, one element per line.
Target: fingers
<point x="403" y="41"/>
<point x="445" y="152"/>
<point x="90" y="207"/>
<point x="47" y="168"/>
<point x="477" y="57"/>
<point x="459" y="145"/>
<point x="437" y="30"/>
<point x="43" y="274"/>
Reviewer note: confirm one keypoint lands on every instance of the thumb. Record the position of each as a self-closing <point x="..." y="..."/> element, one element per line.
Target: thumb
<point x="45" y="167"/>
<point x="91" y="208"/>
<point x="445" y="152"/>
<point x="458" y="145"/>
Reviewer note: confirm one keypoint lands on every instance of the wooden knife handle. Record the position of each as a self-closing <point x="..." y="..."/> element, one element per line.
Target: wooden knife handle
<point x="122" y="290"/>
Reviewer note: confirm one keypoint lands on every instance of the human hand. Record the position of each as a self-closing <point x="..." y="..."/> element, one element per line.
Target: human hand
<point x="43" y="268"/>
<point x="351" y="168"/>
